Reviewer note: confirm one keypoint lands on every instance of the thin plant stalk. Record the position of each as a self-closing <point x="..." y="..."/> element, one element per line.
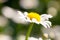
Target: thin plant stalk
<point x="29" y="31"/>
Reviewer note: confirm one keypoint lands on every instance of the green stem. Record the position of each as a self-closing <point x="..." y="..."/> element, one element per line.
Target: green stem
<point x="29" y="31"/>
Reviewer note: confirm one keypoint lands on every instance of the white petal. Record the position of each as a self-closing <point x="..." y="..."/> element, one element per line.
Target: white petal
<point x="20" y="13"/>
<point x="46" y="24"/>
<point x="43" y="24"/>
<point x="49" y="16"/>
<point x="28" y="19"/>
<point x="25" y="13"/>
<point x="19" y="19"/>
<point x="35" y="21"/>
<point x="45" y="17"/>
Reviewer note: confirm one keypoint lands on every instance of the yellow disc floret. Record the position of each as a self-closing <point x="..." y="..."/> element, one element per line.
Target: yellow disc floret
<point x="34" y="15"/>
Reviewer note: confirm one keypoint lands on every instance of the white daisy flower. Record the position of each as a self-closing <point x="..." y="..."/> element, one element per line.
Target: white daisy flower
<point x="36" y="18"/>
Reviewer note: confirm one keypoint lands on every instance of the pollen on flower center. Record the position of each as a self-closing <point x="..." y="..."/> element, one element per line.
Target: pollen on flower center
<point x="34" y="15"/>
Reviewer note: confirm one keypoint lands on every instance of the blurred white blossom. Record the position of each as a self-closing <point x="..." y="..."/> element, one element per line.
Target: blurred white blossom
<point x="40" y="38"/>
<point x="29" y="4"/>
<point x="8" y="12"/>
<point x="52" y="11"/>
<point x="22" y="37"/>
<point x="57" y="32"/>
<point x="32" y="38"/>
<point x="48" y="32"/>
<point x="5" y="37"/>
<point x="53" y="32"/>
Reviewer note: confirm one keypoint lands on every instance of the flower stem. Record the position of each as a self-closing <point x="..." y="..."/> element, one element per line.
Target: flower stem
<point x="29" y="31"/>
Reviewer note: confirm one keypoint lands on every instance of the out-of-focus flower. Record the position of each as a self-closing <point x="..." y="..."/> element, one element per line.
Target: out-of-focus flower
<point x="53" y="33"/>
<point x="52" y="11"/>
<point x="36" y="18"/>
<point x="56" y="30"/>
<point x="2" y="1"/>
<point x="48" y="32"/>
<point x="40" y="38"/>
<point x="22" y="37"/>
<point x="29" y="4"/>
<point x="32" y="38"/>
<point x="8" y="12"/>
<point x="3" y="21"/>
<point x="5" y="37"/>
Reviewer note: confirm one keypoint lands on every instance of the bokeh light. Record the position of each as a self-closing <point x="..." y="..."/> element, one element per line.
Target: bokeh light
<point x="8" y="12"/>
<point x="29" y="4"/>
<point x="52" y="11"/>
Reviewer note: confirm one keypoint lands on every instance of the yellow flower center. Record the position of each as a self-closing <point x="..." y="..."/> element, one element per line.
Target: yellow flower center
<point x="34" y="15"/>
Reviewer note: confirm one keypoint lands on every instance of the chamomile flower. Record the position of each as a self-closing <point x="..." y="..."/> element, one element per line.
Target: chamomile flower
<point x="36" y="18"/>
